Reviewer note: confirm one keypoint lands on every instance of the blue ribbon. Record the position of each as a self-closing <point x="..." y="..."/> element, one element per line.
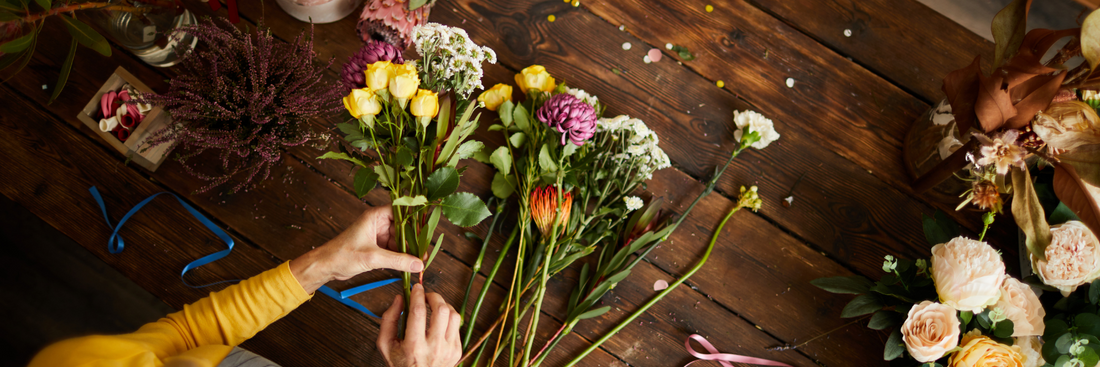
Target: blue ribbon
<point x="116" y="245"/>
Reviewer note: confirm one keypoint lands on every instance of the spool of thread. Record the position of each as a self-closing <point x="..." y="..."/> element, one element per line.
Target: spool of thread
<point x="127" y="122"/>
<point x="122" y="134"/>
<point x="108" y="124"/>
<point x="107" y="104"/>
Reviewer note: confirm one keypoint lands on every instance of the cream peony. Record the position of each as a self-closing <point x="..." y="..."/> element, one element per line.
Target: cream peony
<point x="753" y="121"/>
<point x="968" y="274"/>
<point x="981" y="351"/>
<point x="1073" y="257"/>
<point x="1022" y="306"/>
<point x="1031" y="348"/>
<point x="930" y="330"/>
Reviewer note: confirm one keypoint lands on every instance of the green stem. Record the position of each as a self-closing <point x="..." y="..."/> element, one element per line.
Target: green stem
<point x="480" y="258"/>
<point x="659" y="296"/>
<point x="485" y="287"/>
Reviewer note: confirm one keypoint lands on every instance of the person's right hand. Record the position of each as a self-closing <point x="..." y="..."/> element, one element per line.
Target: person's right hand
<point x="435" y="345"/>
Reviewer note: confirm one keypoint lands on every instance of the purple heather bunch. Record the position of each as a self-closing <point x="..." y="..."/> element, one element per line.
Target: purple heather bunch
<point x="247" y="96"/>
<point x="574" y="119"/>
<point x="372" y="52"/>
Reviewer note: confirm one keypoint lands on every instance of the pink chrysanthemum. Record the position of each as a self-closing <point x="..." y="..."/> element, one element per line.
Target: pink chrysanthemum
<point x="391" y="21"/>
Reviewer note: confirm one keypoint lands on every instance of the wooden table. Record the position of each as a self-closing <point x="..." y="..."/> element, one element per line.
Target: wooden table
<point x="862" y="71"/>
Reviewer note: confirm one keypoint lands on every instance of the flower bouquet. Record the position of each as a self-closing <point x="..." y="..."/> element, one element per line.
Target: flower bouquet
<point x="412" y="121"/>
<point x="574" y="176"/>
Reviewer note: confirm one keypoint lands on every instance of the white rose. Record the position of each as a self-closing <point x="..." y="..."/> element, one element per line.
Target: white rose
<point x="968" y="274"/>
<point x="755" y="122"/>
<point x="1073" y="257"/>
<point x="1021" y="305"/>
<point x="930" y="330"/>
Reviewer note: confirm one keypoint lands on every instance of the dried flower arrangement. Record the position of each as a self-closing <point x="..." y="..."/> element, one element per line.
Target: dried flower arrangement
<point x="246" y="95"/>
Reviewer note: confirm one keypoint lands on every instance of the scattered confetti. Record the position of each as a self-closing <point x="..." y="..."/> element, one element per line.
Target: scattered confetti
<point x="616" y="71"/>
<point x="720" y="84"/>
<point x="576" y="3"/>
<point x="709" y="8"/>
<point x="44" y="87"/>
<point x="847" y="33"/>
<point x="567" y="0"/>
<point x="660" y="285"/>
<point x="668" y="46"/>
<point x="626" y="45"/>
<point x="788" y="201"/>
<point x="646" y="59"/>
<point x="551" y="18"/>
<point x="622" y="28"/>
<point x="790" y="82"/>
<point x="654" y="54"/>
<point x="682" y="51"/>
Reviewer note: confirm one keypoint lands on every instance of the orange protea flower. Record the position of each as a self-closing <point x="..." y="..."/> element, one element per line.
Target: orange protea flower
<point x="544" y="203"/>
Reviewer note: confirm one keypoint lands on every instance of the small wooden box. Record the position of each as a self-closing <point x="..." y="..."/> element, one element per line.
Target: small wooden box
<point x="154" y="121"/>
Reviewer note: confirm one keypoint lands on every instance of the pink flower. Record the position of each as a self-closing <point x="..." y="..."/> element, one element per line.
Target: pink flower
<point x="391" y="21"/>
<point x="574" y="119"/>
<point x="1001" y="151"/>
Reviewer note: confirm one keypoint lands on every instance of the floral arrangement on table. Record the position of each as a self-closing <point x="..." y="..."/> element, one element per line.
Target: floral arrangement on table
<point x="574" y="175"/>
<point x="21" y="23"/>
<point x="412" y="122"/>
<point x="246" y="96"/>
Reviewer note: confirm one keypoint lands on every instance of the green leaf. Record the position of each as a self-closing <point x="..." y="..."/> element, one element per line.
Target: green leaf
<point x="505" y="112"/>
<point x="1089" y="356"/>
<point x="939" y="228"/>
<point x="546" y="161"/>
<point x="385" y="175"/>
<point x="410" y="201"/>
<point x="7" y="16"/>
<point x="1088" y="323"/>
<point x="894" y="346"/>
<point x="1004" y="329"/>
<point x="18" y="44"/>
<point x="9" y="59"/>
<point x="13" y="5"/>
<point x="861" y="305"/>
<point x="517" y="140"/>
<point x="503" y="185"/>
<point x="27" y="54"/>
<point x="365" y="180"/>
<point x="414" y="4"/>
<point x="1009" y="26"/>
<point x="964" y="318"/>
<point x="86" y="35"/>
<point x="344" y="156"/>
<point x="984" y="321"/>
<point x="844" y="285"/>
<point x="1029" y="213"/>
<point x="1064" y="342"/>
<point x="467" y="150"/>
<point x="438" y="245"/>
<point x="519" y="116"/>
<point x="442" y="182"/>
<point x="594" y="313"/>
<point x="45" y="4"/>
<point x="464" y="209"/>
<point x="1062" y="214"/>
<point x="502" y="160"/>
<point x="404" y="158"/>
<point x="884" y="319"/>
<point x="1054" y="329"/>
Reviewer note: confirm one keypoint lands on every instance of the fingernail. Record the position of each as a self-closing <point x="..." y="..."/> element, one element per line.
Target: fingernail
<point x="418" y="286"/>
<point x="417" y="266"/>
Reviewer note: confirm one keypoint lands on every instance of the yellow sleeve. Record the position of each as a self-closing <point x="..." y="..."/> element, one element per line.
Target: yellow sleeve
<point x="205" y="331"/>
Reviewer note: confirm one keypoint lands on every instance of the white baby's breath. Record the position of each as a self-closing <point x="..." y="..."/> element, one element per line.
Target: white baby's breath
<point x="639" y="145"/>
<point x="583" y="96"/>
<point x="752" y="121"/>
<point x="451" y="58"/>
<point x="633" y="203"/>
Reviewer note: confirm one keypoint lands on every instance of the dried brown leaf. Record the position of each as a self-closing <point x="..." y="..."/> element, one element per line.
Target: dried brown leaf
<point x="1090" y="40"/>
<point x="1008" y="28"/>
<point x="1032" y="96"/>
<point x="1028" y="60"/>
<point x="993" y="106"/>
<point x="1085" y="160"/>
<point x="961" y="88"/>
<point x="1029" y="213"/>
<point x="1077" y="195"/>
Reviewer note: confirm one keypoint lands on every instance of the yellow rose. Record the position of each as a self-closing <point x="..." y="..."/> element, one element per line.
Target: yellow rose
<point x="362" y="102"/>
<point x="495" y="96"/>
<point x="425" y="104"/>
<point x="404" y="82"/>
<point x="535" y="77"/>
<point x="981" y="351"/>
<point x="378" y="75"/>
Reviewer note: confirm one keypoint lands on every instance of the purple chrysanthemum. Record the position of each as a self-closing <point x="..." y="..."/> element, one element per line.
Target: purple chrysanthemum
<point x="574" y="119"/>
<point x="372" y="52"/>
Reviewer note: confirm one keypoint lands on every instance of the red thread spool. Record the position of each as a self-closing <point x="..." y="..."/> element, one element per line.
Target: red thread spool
<point x="123" y="134"/>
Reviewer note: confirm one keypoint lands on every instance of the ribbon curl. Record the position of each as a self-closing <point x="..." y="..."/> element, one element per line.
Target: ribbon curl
<point x="723" y="358"/>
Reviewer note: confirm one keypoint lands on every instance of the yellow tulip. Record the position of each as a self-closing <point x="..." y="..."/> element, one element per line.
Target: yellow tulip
<point x="535" y="77"/>
<point x="362" y="102"/>
<point x="425" y="104"/>
<point x="378" y="75"/>
<point x="403" y="83"/>
<point x="495" y="96"/>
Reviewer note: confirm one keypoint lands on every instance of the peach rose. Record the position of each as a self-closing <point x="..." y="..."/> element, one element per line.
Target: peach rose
<point x="1022" y="306"/>
<point x="1032" y="350"/>
<point x="968" y="274"/>
<point x="981" y="351"/>
<point x="930" y="330"/>
<point x="1073" y="257"/>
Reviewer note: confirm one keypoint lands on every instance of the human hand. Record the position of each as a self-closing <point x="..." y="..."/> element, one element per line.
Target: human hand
<point x="438" y="346"/>
<point x="368" y="243"/>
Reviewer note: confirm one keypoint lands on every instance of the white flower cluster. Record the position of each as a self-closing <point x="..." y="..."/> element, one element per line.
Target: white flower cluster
<point x="583" y="96"/>
<point x="641" y="147"/>
<point x="755" y="122"/>
<point x="450" y="53"/>
<point x="633" y="203"/>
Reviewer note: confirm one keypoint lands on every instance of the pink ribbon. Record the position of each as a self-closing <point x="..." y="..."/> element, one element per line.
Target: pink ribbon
<point x="723" y="358"/>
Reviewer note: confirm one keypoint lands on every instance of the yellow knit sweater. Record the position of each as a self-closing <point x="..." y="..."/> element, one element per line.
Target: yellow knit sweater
<point x="200" y="335"/>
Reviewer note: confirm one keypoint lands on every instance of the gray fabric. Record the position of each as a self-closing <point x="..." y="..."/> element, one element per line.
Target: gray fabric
<point x="243" y="358"/>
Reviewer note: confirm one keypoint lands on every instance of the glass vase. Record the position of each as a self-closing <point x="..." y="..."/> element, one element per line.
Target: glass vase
<point x="146" y="33"/>
<point x="319" y="11"/>
<point x="932" y="139"/>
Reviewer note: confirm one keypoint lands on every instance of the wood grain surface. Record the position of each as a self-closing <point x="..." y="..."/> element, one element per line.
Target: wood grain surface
<point x="842" y="125"/>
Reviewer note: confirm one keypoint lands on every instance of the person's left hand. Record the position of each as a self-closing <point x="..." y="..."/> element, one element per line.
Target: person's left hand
<point x="434" y="344"/>
<point x="367" y="244"/>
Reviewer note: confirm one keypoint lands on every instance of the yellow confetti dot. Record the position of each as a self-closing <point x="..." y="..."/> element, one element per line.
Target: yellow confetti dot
<point x="568" y="0"/>
<point x="551" y="17"/>
<point x="709" y="8"/>
<point x="720" y="84"/>
<point x="576" y="3"/>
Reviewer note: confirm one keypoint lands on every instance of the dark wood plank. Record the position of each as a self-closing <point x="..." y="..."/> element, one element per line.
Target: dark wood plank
<point x="902" y="40"/>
